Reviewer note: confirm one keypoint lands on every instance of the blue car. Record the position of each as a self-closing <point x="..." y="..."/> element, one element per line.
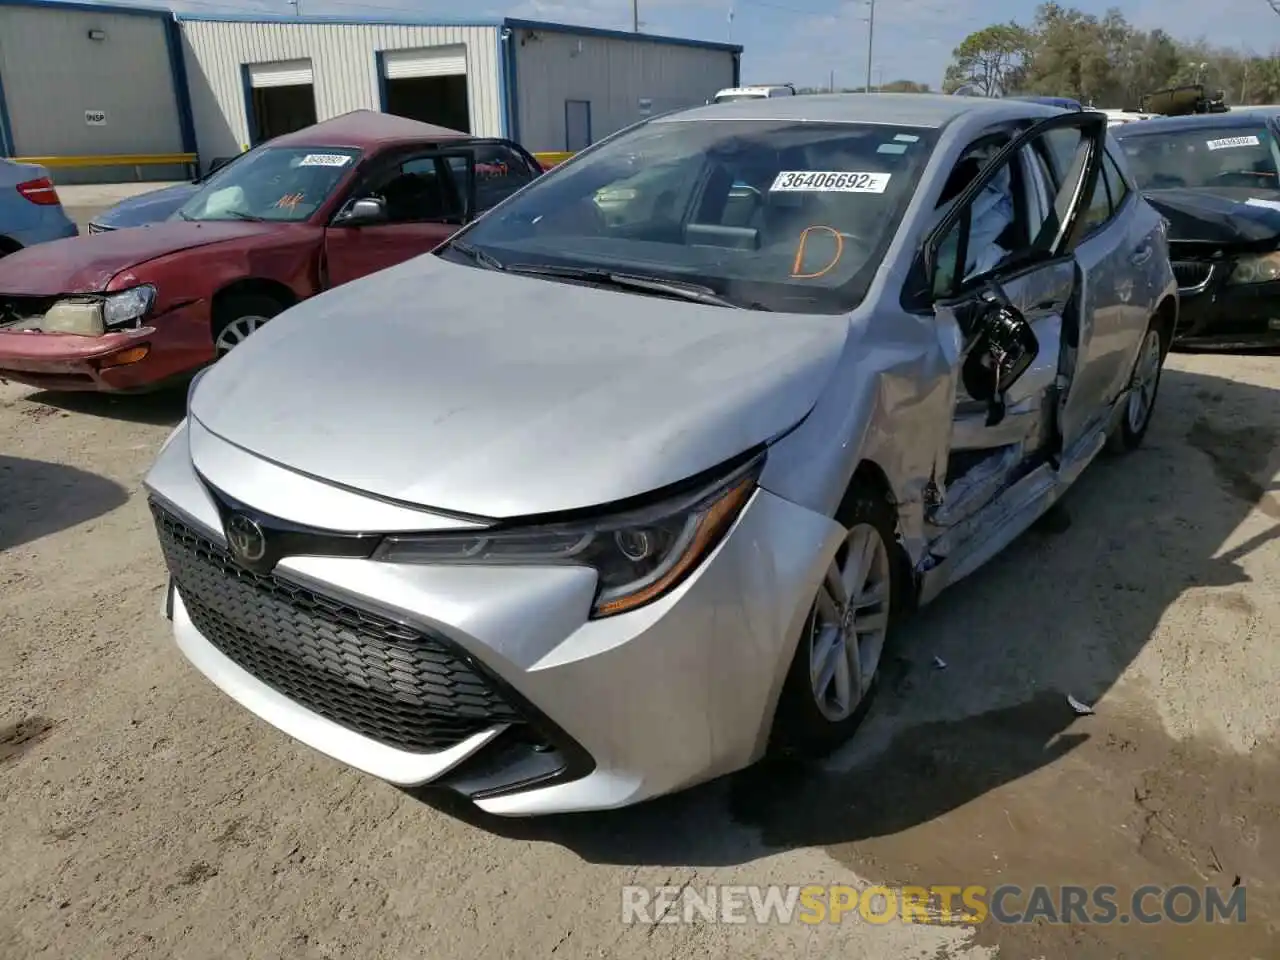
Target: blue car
<point x="147" y="208"/>
<point x="30" y="211"/>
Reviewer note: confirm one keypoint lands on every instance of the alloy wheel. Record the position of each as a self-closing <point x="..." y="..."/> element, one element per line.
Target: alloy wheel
<point x="1146" y="378"/>
<point x="236" y="332"/>
<point x="849" y="622"/>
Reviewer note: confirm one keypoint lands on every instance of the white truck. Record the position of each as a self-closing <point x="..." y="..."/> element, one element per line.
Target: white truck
<point x="759" y="92"/>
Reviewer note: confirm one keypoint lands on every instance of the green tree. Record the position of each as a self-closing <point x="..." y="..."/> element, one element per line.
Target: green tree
<point x="992" y="59"/>
<point x="904" y="86"/>
<point x="1070" y="55"/>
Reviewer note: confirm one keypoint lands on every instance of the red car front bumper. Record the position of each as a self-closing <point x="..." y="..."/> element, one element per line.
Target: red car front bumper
<point x="129" y="361"/>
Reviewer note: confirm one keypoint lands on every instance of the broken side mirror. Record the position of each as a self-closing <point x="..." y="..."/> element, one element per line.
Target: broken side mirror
<point x="1003" y="350"/>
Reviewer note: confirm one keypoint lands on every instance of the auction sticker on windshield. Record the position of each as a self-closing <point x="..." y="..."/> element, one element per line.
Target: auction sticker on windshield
<point x="325" y="160"/>
<point x="1227" y="143"/>
<point x="830" y="181"/>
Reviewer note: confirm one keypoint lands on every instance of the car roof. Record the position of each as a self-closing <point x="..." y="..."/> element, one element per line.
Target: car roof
<point x="366" y="128"/>
<point x="1195" y="121"/>
<point x="899" y="109"/>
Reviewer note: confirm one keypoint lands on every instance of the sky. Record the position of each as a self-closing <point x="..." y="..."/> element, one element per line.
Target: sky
<point x="805" y="41"/>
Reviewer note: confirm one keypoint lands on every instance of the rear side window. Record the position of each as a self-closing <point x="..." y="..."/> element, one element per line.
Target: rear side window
<point x="1116" y="186"/>
<point x="500" y="172"/>
<point x="1108" y="194"/>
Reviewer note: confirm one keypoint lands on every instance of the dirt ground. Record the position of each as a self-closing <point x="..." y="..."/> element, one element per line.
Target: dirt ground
<point x="146" y="815"/>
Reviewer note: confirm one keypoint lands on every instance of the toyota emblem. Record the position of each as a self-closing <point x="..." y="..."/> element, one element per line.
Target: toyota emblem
<point x="247" y="540"/>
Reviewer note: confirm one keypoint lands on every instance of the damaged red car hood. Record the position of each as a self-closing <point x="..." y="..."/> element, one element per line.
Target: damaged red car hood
<point x="87" y="264"/>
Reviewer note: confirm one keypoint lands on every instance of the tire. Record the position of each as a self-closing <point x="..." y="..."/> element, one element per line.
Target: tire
<point x="809" y="724"/>
<point x="238" y="316"/>
<point x="1144" y="382"/>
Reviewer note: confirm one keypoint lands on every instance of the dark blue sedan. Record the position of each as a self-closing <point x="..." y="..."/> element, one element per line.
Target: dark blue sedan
<point x="151" y="207"/>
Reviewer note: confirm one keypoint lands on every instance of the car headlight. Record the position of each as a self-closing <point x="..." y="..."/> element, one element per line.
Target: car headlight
<point x="1259" y="269"/>
<point x="80" y="317"/>
<point x="638" y="556"/>
<point x="93" y="316"/>
<point x="128" y="306"/>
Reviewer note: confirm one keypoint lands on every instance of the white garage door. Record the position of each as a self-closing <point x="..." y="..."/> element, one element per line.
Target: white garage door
<point x="425" y="62"/>
<point x="284" y="73"/>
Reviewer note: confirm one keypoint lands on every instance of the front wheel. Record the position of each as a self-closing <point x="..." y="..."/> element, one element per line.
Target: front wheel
<point x="829" y="685"/>
<point x="1144" y="385"/>
<point x="238" y="317"/>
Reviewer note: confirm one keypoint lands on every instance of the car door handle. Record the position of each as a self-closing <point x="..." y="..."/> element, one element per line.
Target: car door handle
<point x="1141" y="255"/>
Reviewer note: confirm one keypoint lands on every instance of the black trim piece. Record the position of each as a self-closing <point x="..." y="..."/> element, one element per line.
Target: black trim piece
<point x="516" y="761"/>
<point x="286" y="539"/>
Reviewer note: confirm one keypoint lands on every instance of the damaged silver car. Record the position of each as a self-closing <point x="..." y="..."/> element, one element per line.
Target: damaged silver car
<point x="629" y="482"/>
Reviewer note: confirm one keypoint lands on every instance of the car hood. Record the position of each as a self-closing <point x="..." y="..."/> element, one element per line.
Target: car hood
<point x="147" y="208"/>
<point x="87" y="264"/>
<point x="500" y="396"/>
<point x="1223" y="217"/>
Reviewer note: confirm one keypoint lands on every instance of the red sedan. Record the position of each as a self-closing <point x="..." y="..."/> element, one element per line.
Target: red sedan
<point x="134" y="309"/>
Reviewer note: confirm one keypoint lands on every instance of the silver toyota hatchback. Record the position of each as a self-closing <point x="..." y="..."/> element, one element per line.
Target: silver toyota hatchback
<point x="628" y="483"/>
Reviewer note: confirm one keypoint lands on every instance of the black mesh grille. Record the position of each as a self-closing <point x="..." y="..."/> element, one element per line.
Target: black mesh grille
<point x="1190" y="273"/>
<point x="395" y="684"/>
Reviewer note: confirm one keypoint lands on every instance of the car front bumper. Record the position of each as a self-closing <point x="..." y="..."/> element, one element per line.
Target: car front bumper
<point x="126" y="361"/>
<point x="607" y="712"/>
<point x="1218" y="316"/>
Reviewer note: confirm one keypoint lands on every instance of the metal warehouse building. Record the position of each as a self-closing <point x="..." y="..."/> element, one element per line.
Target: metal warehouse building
<point x="80" y="81"/>
<point x="552" y="87"/>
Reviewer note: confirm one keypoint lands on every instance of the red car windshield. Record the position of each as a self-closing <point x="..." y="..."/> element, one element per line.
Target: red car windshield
<point x="281" y="184"/>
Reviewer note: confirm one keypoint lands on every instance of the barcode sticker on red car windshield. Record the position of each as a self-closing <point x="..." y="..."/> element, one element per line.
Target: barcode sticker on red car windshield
<point x="325" y="160"/>
<point x="1226" y="143"/>
<point x="830" y="181"/>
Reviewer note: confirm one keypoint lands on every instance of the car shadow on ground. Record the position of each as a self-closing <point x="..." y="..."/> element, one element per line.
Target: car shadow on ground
<point x="162" y="408"/>
<point x="974" y="698"/>
<point x="38" y="499"/>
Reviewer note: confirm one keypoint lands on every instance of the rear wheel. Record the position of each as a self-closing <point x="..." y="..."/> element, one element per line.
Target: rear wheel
<point x="1144" y="386"/>
<point x="237" y="317"/>
<point x="829" y="686"/>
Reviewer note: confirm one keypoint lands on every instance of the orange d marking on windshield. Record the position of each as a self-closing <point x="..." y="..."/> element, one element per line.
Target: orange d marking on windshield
<point x="803" y="244"/>
<point x="289" y="200"/>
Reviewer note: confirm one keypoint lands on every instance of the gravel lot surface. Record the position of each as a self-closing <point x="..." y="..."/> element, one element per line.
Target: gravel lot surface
<point x="146" y="815"/>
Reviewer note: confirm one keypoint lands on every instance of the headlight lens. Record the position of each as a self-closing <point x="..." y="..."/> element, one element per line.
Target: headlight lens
<point x="638" y="556"/>
<point x="128" y="306"/>
<point x="80" y="317"/>
<point x="93" y="316"/>
<point x="1260" y="269"/>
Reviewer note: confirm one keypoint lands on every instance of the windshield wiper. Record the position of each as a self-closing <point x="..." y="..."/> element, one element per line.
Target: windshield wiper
<point x="185" y="216"/>
<point x="478" y="256"/>
<point x="241" y="215"/>
<point x="660" y="286"/>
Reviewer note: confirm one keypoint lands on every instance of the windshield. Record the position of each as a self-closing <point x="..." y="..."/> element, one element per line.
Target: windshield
<point x="768" y="214"/>
<point x="283" y="184"/>
<point x="1207" y="156"/>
